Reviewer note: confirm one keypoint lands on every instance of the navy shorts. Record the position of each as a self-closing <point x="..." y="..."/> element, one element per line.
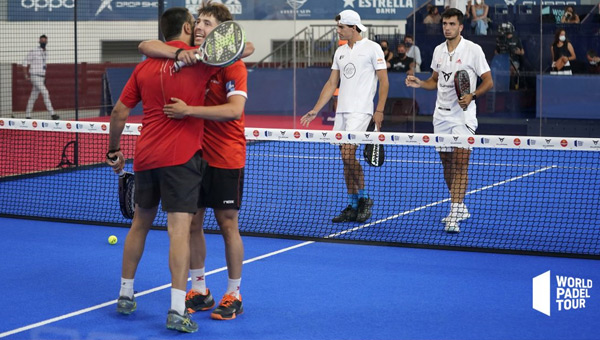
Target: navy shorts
<point x="222" y="188"/>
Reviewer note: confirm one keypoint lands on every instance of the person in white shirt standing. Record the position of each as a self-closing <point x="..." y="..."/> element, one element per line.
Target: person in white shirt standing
<point x="453" y="115"/>
<point x="413" y="51"/>
<point x="357" y="66"/>
<point x="35" y="62"/>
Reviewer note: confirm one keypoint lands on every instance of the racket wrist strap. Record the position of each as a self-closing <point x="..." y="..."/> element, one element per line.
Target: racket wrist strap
<point x="177" y="53"/>
<point x="112" y="151"/>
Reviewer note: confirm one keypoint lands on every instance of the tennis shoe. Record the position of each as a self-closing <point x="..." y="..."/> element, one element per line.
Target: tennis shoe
<point x="195" y="301"/>
<point x="229" y="308"/>
<point x="452" y="228"/>
<point x="457" y="215"/>
<point x="364" y="209"/>
<point x="126" y="305"/>
<point x="55" y="117"/>
<point x="347" y="215"/>
<point x="182" y="323"/>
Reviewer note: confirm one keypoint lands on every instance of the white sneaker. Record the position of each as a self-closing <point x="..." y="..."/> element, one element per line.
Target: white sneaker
<point x="457" y="214"/>
<point x="452" y="227"/>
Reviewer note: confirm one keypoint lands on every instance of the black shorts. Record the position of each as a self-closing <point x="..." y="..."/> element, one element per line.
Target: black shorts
<point x="222" y="188"/>
<point x="177" y="187"/>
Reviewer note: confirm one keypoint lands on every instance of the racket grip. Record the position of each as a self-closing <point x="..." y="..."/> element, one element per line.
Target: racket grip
<point x="121" y="173"/>
<point x="179" y="64"/>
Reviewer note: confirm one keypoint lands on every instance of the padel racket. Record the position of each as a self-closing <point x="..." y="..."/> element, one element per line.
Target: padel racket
<point x="462" y="84"/>
<point x="126" y="194"/>
<point x="373" y="153"/>
<point x="222" y="46"/>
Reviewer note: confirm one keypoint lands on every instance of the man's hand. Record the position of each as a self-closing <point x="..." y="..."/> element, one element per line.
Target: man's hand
<point x="188" y="57"/>
<point x="116" y="160"/>
<point x="378" y="119"/>
<point x="307" y="118"/>
<point x="177" y="109"/>
<point x="465" y="101"/>
<point x="412" y="81"/>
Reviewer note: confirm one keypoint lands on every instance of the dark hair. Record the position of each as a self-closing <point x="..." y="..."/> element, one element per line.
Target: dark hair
<point x="453" y="12"/>
<point x="592" y="53"/>
<point x="43" y="36"/>
<point x="219" y="11"/>
<point x="400" y="44"/>
<point x="172" y="20"/>
<point x="557" y="35"/>
<point x="409" y="36"/>
<point x="339" y="17"/>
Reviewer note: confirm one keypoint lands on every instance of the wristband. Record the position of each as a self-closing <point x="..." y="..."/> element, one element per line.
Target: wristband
<point x="474" y="96"/>
<point x="177" y="53"/>
<point x="112" y="151"/>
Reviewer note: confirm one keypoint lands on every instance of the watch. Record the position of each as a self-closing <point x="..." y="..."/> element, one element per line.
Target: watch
<point x="474" y="96"/>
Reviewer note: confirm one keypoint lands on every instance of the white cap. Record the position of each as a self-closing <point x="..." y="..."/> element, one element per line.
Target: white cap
<point x="351" y="18"/>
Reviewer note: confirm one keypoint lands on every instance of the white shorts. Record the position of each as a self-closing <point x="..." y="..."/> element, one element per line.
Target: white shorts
<point x="351" y="121"/>
<point x="451" y="128"/>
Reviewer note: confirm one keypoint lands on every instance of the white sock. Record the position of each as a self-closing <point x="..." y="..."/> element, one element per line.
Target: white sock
<point x="233" y="286"/>
<point x="198" y="280"/>
<point x="126" y="288"/>
<point x="454" y="207"/>
<point x="178" y="300"/>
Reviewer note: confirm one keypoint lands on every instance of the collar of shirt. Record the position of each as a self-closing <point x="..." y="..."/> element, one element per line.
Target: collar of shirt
<point x="459" y="47"/>
<point x="178" y="44"/>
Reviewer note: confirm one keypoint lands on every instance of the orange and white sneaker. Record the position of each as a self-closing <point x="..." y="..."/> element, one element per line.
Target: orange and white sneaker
<point x="229" y="307"/>
<point x="195" y="301"/>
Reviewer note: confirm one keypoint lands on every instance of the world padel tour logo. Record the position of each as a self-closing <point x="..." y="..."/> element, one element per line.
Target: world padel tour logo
<point x="570" y="293"/>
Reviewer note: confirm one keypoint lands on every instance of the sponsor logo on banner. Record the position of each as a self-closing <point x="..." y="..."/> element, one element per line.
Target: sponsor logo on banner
<point x="439" y="139"/>
<point x="34" y="124"/>
<point x="531" y="142"/>
<point x="324" y="136"/>
<point x="268" y="133"/>
<point x="381" y="138"/>
<point x="235" y="6"/>
<point x="105" y="4"/>
<point x="381" y="7"/>
<point x="455" y="140"/>
<point x="57" y="126"/>
<point x="410" y="139"/>
<point x="1" y="122"/>
<point x="338" y="136"/>
<point x="471" y="140"/>
<point x="68" y="126"/>
<point x="501" y="141"/>
<point x="560" y="293"/>
<point x="548" y="143"/>
<point x="44" y="124"/>
<point x="255" y="133"/>
<point x="103" y="127"/>
<point x="127" y="127"/>
<point x="351" y="136"/>
<point x="283" y="134"/>
<point x="47" y="5"/>
<point x="11" y="123"/>
<point x="577" y="143"/>
<point x="296" y="5"/>
<point x="485" y="141"/>
<point x="92" y="127"/>
<point x="310" y="135"/>
<point x="140" y="128"/>
<point x="564" y="143"/>
<point x="517" y="141"/>
<point x="426" y="139"/>
<point x="297" y="134"/>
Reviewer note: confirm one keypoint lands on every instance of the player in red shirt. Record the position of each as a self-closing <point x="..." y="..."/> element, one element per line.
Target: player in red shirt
<point x="167" y="162"/>
<point x="225" y="151"/>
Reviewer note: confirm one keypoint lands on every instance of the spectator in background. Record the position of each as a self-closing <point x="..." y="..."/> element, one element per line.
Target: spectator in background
<point x="480" y="19"/>
<point x="433" y="17"/>
<point x="388" y="55"/>
<point x="401" y="62"/>
<point x="468" y="10"/>
<point x="570" y="17"/>
<point x="413" y="51"/>
<point x="35" y="62"/>
<point x="562" y="53"/>
<point x="593" y="62"/>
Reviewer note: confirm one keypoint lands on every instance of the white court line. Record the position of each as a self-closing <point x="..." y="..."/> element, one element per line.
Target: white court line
<point x="146" y="292"/>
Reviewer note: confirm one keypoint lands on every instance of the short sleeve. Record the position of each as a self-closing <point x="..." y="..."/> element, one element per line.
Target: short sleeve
<point x="131" y="96"/>
<point x="236" y="80"/>
<point x="378" y="58"/>
<point x="481" y="65"/>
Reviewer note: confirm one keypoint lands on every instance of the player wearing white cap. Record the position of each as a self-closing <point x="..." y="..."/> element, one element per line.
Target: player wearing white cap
<point x="357" y="66"/>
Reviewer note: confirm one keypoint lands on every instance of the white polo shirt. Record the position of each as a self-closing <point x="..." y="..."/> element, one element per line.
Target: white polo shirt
<point x="467" y="56"/>
<point x="37" y="59"/>
<point x="358" y="75"/>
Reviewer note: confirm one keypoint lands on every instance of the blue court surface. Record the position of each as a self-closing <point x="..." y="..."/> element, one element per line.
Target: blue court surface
<point x="60" y="281"/>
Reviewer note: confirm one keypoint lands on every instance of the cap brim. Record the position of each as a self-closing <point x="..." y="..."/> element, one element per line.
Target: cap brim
<point x="362" y="27"/>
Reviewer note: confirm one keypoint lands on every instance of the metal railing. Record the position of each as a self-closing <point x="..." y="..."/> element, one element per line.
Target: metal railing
<point x="315" y="46"/>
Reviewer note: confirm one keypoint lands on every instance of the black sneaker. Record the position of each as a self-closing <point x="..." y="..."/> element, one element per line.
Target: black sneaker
<point x="347" y="215"/>
<point x="229" y="307"/>
<point x="182" y="323"/>
<point x="194" y="301"/>
<point x="364" y="209"/>
<point x="55" y="117"/>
